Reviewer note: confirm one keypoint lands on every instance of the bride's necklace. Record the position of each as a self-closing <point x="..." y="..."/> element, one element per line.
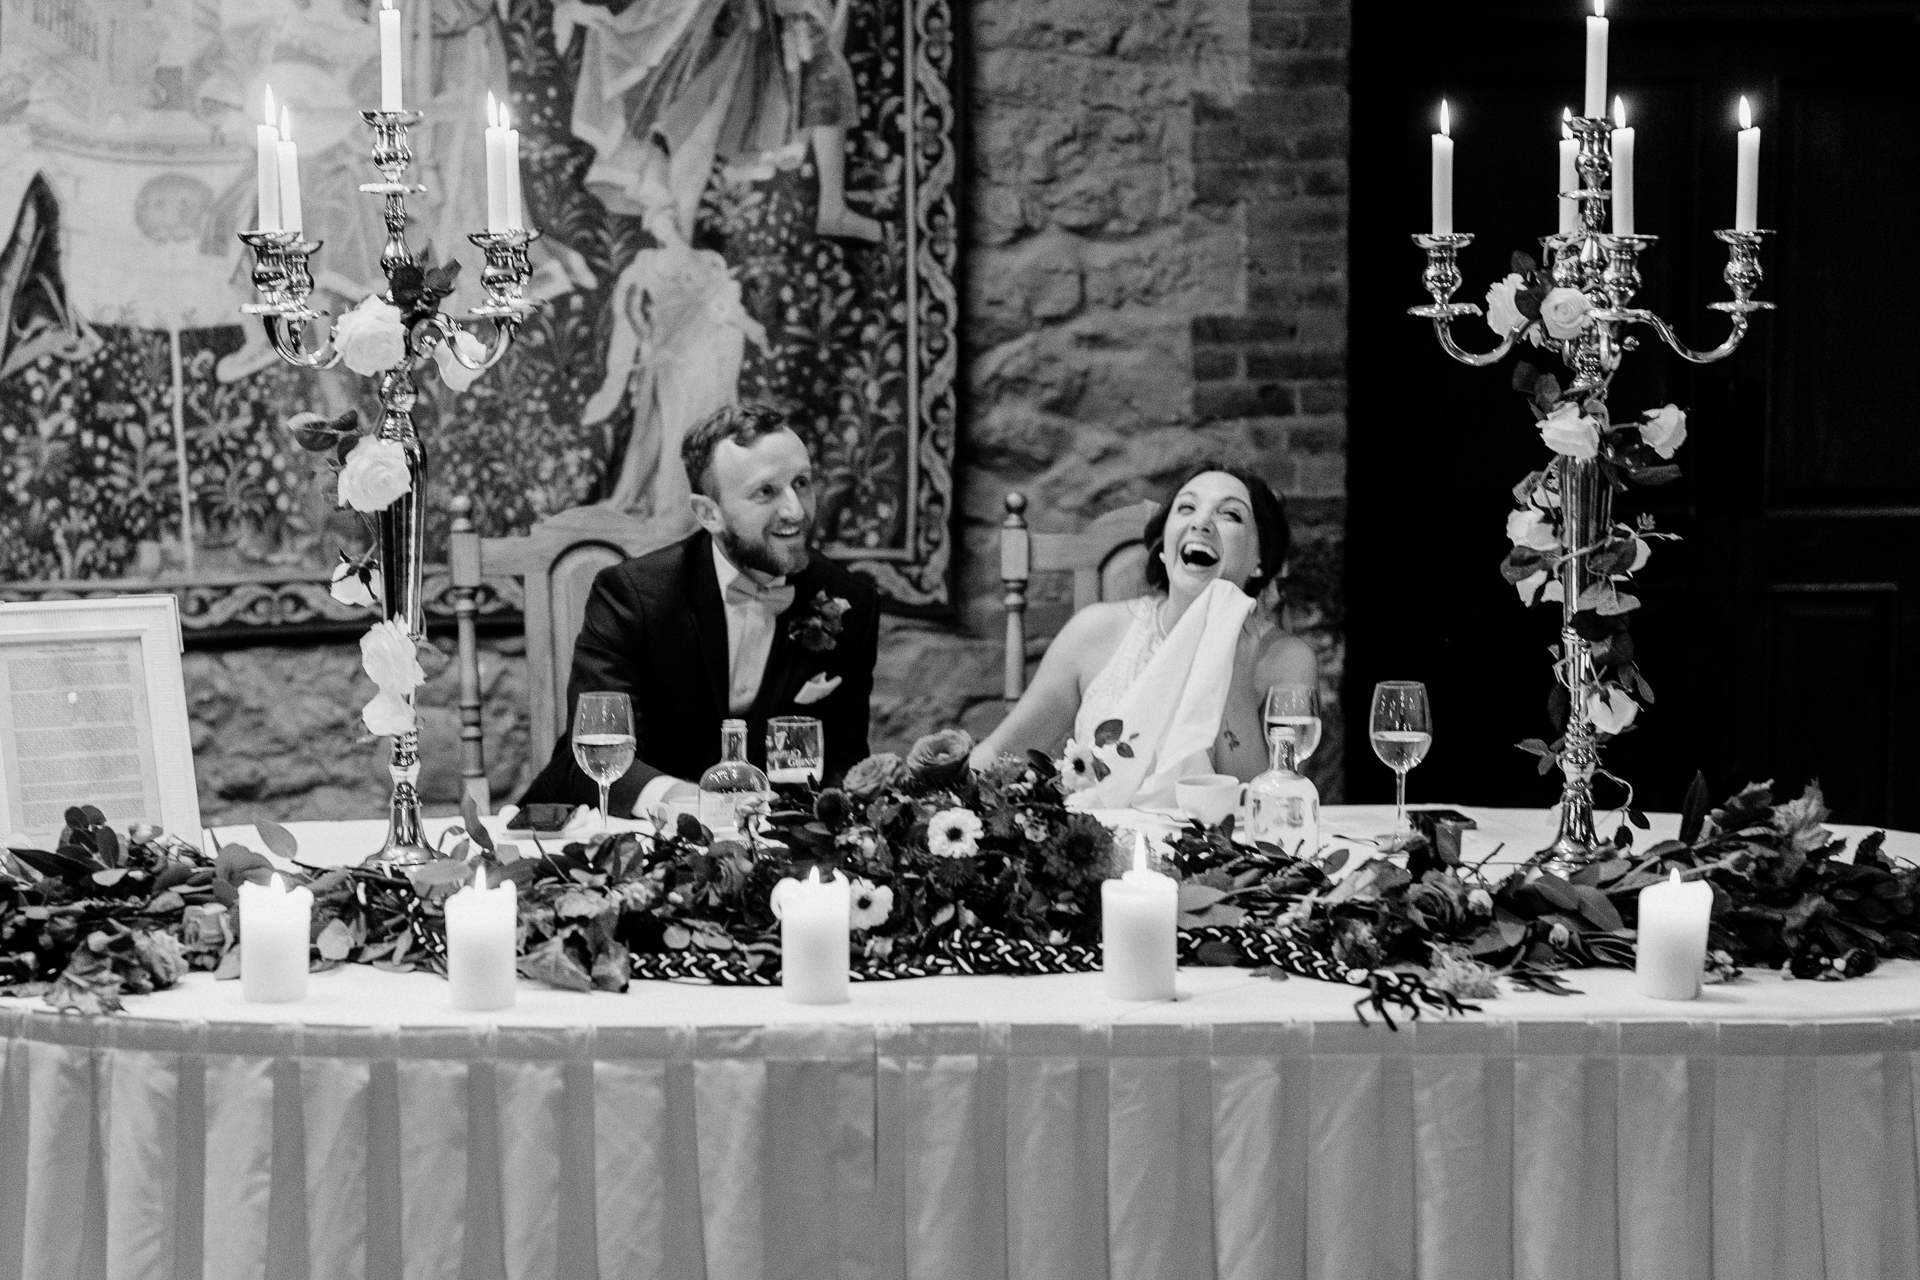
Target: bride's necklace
<point x="1160" y="621"/>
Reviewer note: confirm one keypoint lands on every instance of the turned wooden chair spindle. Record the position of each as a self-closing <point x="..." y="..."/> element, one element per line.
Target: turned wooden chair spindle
<point x="1107" y="559"/>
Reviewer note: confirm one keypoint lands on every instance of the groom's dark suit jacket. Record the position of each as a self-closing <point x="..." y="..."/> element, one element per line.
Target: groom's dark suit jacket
<point x="656" y="630"/>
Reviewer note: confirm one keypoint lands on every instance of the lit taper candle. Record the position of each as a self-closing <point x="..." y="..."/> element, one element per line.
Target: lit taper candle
<point x="1746" y="199"/>
<point x="496" y="168"/>
<point x="1443" y="175"/>
<point x="266" y="138"/>
<point x="513" y="171"/>
<point x="1596" y="99"/>
<point x="1622" y="171"/>
<point x="290" y="219"/>
<point x="1569" y="173"/>
<point x="391" y="57"/>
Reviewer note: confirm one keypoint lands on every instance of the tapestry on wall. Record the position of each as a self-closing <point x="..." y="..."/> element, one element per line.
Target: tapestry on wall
<point x="739" y="198"/>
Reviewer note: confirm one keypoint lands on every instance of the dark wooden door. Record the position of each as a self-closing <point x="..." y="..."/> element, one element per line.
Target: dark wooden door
<point x="1782" y="634"/>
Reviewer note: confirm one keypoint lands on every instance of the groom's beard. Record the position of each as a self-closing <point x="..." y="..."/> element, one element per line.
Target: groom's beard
<point x="763" y="556"/>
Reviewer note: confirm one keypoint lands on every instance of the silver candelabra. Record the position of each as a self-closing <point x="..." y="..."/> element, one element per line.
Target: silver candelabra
<point x="1606" y="268"/>
<point x="284" y="283"/>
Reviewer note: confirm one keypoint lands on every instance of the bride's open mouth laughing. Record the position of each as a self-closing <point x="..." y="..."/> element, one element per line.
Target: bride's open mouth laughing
<point x="1198" y="555"/>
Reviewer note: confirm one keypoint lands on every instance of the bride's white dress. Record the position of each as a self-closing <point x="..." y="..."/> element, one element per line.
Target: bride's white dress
<point x="1169" y="691"/>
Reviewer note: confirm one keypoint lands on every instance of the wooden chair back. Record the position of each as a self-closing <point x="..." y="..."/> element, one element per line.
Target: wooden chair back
<point x="1108" y="561"/>
<point x="556" y="563"/>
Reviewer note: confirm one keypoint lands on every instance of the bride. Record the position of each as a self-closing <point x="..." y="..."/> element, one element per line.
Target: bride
<point x="1223" y="526"/>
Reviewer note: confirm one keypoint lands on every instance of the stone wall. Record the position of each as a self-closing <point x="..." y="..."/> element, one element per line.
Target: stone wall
<point x="1156" y="274"/>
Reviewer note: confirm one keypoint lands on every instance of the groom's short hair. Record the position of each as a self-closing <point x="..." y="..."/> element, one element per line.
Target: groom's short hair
<point x="740" y="423"/>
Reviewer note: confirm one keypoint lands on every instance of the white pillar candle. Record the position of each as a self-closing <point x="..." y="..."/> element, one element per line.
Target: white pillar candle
<point x="1672" y="946"/>
<point x="496" y="168"/>
<point x="482" y="927"/>
<point x="814" y="920"/>
<point x="276" y="932"/>
<point x="1443" y="176"/>
<point x="1622" y="171"/>
<point x="1139" y="916"/>
<point x="289" y="175"/>
<point x="390" y="57"/>
<point x="1596" y="99"/>
<point x="513" y="172"/>
<point x="1569" y="174"/>
<point x="1746" y="201"/>
<point x="266" y="139"/>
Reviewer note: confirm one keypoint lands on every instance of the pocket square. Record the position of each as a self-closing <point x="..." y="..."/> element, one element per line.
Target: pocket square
<point x="815" y="689"/>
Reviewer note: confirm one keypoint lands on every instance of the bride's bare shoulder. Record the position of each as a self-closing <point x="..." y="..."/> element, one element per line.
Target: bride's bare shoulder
<point x="1103" y="616"/>
<point x="1284" y="658"/>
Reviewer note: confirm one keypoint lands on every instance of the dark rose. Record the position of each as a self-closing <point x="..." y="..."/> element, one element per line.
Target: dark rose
<point x="940" y="759"/>
<point x="830" y="806"/>
<point x="873" y="775"/>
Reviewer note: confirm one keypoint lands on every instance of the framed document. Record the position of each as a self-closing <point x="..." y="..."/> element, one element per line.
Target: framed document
<point x="93" y="710"/>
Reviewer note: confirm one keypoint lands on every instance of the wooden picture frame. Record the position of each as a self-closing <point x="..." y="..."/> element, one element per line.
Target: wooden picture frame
<point x="93" y="711"/>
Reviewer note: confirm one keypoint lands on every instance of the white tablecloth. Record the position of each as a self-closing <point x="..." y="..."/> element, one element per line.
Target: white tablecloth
<point x="972" y="1128"/>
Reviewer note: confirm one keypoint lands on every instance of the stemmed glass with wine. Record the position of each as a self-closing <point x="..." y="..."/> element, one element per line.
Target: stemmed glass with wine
<point x="603" y="741"/>
<point x="1401" y="728"/>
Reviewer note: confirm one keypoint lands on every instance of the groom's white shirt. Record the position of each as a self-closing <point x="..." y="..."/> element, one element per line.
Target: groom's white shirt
<point x="749" y="645"/>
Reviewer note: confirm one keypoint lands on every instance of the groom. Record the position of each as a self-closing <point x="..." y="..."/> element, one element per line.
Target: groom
<point x="740" y="621"/>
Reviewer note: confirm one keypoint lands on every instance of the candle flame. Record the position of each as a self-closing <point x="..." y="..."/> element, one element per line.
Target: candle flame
<point x="813" y="874"/>
<point x="1674" y="876"/>
<point x="493" y="111"/>
<point x="504" y="122"/>
<point x="275" y="884"/>
<point x="1599" y="8"/>
<point x="1445" y="131"/>
<point x="269" y="116"/>
<point x="480" y="878"/>
<point x="1139" y="851"/>
<point x="1619" y="112"/>
<point x="386" y="4"/>
<point x="286" y="125"/>
<point x="1746" y="113"/>
<point x="1566" y="122"/>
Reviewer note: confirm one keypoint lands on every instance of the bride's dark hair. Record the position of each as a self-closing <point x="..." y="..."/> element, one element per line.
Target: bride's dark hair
<point x="1269" y="521"/>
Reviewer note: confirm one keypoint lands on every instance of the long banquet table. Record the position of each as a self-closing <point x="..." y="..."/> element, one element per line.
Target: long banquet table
<point x="972" y="1128"/>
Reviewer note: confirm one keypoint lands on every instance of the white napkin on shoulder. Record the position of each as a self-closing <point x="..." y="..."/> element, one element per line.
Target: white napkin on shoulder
<point x="1172" y="713"/>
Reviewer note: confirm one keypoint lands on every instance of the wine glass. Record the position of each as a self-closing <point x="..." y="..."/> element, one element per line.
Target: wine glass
<point x="796" y="751"/>
<point x="1402" y="729"/>
<point x="603" y="741"/>
<point x="1294" y="709"/>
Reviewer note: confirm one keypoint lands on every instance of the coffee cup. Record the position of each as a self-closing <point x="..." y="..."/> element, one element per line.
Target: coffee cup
<point x="1208" y="797"/>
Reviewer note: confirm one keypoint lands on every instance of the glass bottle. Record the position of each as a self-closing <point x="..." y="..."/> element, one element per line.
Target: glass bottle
<point x="732" y="782"/>
<point x="1283" y="807"/>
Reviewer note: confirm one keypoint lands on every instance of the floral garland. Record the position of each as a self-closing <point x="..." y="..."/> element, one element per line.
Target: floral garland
<point x="959" y="872"/>
<point x="1578" y="425"/>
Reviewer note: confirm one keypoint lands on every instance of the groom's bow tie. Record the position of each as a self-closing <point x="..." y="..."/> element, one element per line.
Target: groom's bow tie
<point x="775" y="600"/>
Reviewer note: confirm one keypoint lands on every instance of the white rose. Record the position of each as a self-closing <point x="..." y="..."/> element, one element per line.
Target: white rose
<point x="456" y="375"/>
<point x="387" y="654"/>
<point x="374" y="475"/>
<point x="1564" y="312"/>
<point x="1665" y="430"/>
<point x="387" y="716"/>
<point x="1503" y="313"/>
<point x="1527" y="527"/>
<point x="371" y="337"/>
<point x="1642" y="552"/>
<point x="1611" y="710"/>
<point x="1568" y="431"/>
<point x="350" y="588"/>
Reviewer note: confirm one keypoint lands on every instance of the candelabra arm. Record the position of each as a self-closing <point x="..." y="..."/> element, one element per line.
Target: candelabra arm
<point x="440" y="329"/>
<point x="1635" y="315"/>
<point x="1443" y="330"/>
<point x="288" y="334"/>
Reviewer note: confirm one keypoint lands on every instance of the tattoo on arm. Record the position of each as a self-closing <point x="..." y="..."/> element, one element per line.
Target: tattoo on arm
<point x="1233" y="742"/>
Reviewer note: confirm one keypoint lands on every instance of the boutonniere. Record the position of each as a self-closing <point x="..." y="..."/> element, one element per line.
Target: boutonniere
<point x="819" y="627"/>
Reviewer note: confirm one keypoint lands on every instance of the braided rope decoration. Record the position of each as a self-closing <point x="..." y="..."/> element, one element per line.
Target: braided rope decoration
<point x="987" y="952"/>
